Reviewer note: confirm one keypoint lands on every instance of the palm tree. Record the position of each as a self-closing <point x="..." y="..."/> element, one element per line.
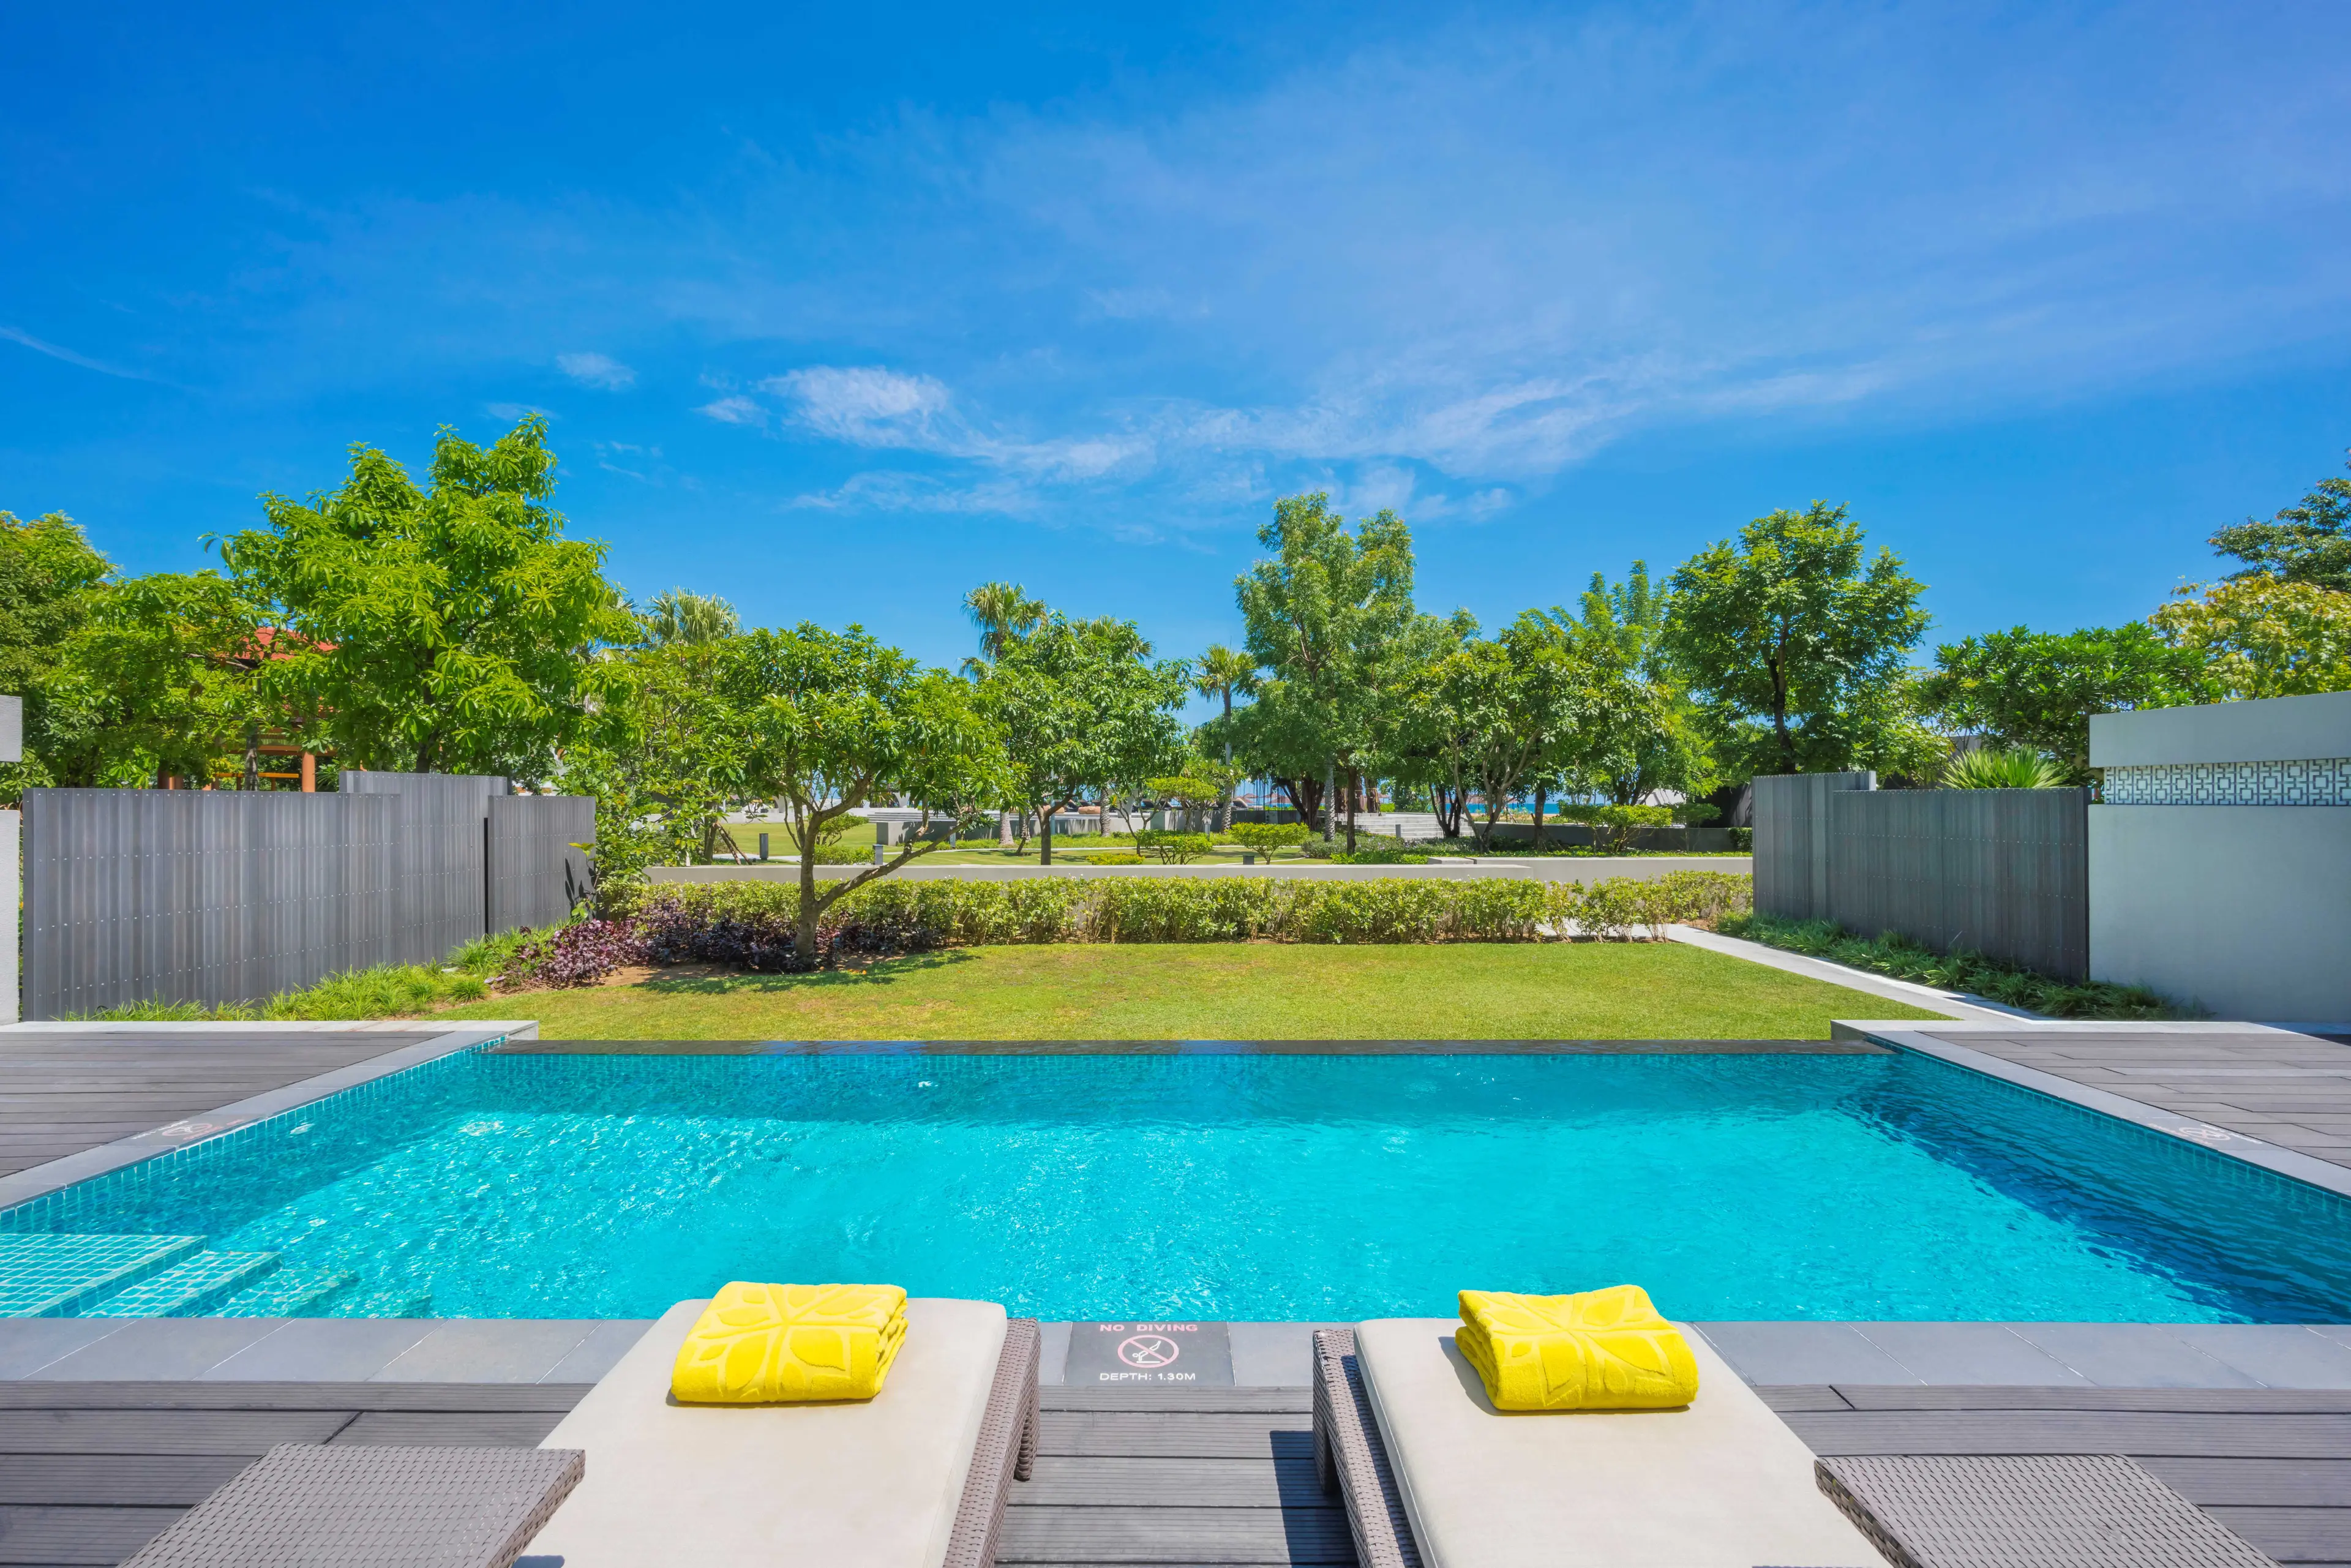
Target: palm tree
<point x="1004" y="613"/>
<point x="679" y="616"/>
<point x="1224" y="673"/>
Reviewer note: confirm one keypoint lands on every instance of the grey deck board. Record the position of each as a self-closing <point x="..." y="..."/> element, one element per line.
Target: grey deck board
<point x="189" y="1394"/>
<point x="1171" y="1436"/>
<point x="93" y="1535"/>
<point x="253" y="1432"/>
<point x="1093" y="1481"/>
<point x="2290" y="1090"/>
<point x="432" y="1428"/>
<point x="2185" y="1401"/>
<point x="1097" y="1534"/>
<point x="63" y="1091"/>
<point x="2133" y="1432"/>
<point x="2254" y="1483"/>
<point x="143" y="1480"/>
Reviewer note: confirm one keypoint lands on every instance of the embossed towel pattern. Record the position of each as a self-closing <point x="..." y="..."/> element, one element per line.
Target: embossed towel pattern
<point x="777" y="1345"/>
<point x="1598" y="1350"/>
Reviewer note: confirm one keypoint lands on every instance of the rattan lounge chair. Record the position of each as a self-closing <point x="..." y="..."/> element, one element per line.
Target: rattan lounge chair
<point x="915" y="1478"/>
<point x="305" y="1505"/>
<point x="1434" y="1477"/>
<point x="2039" y="1510"/>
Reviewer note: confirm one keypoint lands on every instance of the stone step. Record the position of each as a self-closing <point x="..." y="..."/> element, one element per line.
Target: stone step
<point x="57" y="1276"/>
<point x="187" y="1289"/>
<point x="290" y="1290"/>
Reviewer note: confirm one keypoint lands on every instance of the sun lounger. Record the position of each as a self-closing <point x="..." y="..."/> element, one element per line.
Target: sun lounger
<point x="1433" y="1475"/>
<point x="915" y="1477"/>
<point x="307" y="1504"/>
<point x="2028" y="1511"/>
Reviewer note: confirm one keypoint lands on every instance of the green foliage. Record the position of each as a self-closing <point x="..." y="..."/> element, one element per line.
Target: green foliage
<point x="678" y="616"/>
<point x="1492" y="713"/>
<point x="956" y="912"/>
<point x="1172" y="848"/>
<point x="437" y="630"/>
<point x="1085" y="711"/>
<point x="2309" y="543"/>
<point x="1369" y="851"/>
<point x="2262" y="636"/>
<point x="49" y="576"/>
<point x="661" y="767"/>
<point x="1266" y="837"/>
<point x="1971" y="973"/>
<point x="1613" y="828"/>
<point x="2038" y="689"/>
<point x="1004" y="613"/>
<point x="1794" y="645"/>
<point x="832" y="721"/>
<point x="1641" y="733"/>
<point x="2001" y="768"/>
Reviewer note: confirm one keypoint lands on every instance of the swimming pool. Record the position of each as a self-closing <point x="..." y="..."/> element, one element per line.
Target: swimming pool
<point x="1242" y="1186"/>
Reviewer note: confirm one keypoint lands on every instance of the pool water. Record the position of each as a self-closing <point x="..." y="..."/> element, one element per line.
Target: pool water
<point x="1238" y="1187"/>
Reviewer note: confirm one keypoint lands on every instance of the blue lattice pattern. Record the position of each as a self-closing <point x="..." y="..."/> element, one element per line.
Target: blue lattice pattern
<point x="2312" y="781"/>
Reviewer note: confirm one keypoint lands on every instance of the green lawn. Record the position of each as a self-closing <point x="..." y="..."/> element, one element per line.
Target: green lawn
<point x="1662" y="990"/>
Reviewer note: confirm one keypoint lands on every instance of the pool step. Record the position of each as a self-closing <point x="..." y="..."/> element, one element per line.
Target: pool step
<point x="186" y="1288"/>
<point x="46" y="1276"/>
<point x="394" y="1301"/>
<point x="290" y="1290"/>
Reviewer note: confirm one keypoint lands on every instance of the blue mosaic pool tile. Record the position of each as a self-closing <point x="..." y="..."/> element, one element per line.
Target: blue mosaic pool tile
<point x="395" y="1302"/>
<point x="186" y="1287"/>
<point x="290" y="1290"/>
<point x="59" y="1276"/>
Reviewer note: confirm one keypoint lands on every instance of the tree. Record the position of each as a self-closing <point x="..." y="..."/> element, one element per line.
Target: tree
<point x="1325" y="616"/>
<point x="680" y="617"/>
<point x="1004" y="613"/>
<point x="662" y="760"/>
<point x="2263" y="636"/>
<point x="159" y="681"/>
<point x="2309" y="543"/>
<point x="1642" y="735"/>
<point x="1492" y="712"/>
<point x="1085" y="711"/>
<point x="1794" y="645"/>
<point x="449" y="629"/>
<point x="2038" y="689"/>
<point x="834" y="721"/>
<point x="1223" y="674"/>
<point x="49" y="578"/>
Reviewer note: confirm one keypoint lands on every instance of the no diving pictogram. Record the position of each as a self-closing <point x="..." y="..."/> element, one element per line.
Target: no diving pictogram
<point x="1149" y="1349"/>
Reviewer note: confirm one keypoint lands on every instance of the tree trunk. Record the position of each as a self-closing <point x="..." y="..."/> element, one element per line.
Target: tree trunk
<point x="1330" y="796"/>
<point x="1045" y="837"/>
<point x="1354" y="797"/>
<point x="1540" y="793"/>
<point x="804" y="927"/>
<point x="251" y="780"/>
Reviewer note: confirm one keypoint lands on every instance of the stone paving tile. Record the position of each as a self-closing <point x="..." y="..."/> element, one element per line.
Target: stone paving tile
<point x="28" y="1344"/>
<point x="1803" y="1353"/>
<point x="1052" y="1351"/>
<point x="2282" y="1355"/>
<point x="161" y="1349"/>
<point x="2133" y="1356"/>
<point x="1968" y="1353"/>
<point x="1275" y="1356"/>
<point x="488" y="1350"/>
<point x="600" y="1352"/>
<point x="323" y="1350"/>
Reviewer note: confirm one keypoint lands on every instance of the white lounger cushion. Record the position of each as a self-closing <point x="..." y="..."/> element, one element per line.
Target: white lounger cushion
<point x="1723" y="1484"/>
<point x="873" y="1485"/>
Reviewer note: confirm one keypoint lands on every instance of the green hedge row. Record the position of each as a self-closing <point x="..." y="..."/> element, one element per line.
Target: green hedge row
<point x="959" y="913"/>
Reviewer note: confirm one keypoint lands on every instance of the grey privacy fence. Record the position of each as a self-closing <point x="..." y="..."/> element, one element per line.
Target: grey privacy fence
<point x="224" y="895"/>
<point x="2005" y="873"/>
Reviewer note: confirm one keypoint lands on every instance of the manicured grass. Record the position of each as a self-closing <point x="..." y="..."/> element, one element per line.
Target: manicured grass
<point x="1661" y="990"/>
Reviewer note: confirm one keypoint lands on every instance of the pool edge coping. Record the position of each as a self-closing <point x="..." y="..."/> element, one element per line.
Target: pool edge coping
<point x="2292" y="1164"/>
<point x="189" y="1132"/>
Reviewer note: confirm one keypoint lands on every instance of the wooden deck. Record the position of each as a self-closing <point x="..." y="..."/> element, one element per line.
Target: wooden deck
<point x="90" y="1471"/>
<point x="64" y="1090"/>
<point x="2290" y="1090"/>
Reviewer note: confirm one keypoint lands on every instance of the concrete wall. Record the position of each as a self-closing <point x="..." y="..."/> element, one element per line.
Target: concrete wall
<point x="2220" y="861"/>
<point x="2244" y="911"/>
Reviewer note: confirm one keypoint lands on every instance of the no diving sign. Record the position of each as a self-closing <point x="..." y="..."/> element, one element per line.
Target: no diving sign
<point x="1150" y="1354"/>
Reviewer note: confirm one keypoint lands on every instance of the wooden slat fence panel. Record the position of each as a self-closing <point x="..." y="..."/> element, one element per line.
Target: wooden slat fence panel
<point x="438" y="823"/>
<point x="538" y="870"/>
<point x="2001" y="872"/>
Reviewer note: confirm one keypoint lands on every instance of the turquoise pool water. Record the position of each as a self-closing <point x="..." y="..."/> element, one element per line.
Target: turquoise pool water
<point x="1233" y="1186"/>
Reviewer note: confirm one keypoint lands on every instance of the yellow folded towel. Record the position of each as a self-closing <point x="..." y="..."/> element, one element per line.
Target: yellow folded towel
<point x="776" y="1345"/>
<point x="1599" y="1349"/>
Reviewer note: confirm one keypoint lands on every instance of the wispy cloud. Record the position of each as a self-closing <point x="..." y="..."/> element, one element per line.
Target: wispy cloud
<point x="601" y="371"/>
<point x="41" y="346"/>
<point x="736" y="410"/>
<point x="514" y="412"/>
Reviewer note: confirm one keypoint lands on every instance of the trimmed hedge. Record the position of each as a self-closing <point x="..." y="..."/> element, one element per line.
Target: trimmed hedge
<point x="748" y="921"/>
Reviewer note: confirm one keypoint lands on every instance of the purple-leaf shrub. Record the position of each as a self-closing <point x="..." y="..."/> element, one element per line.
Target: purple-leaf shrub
<point x="581" y="954"/>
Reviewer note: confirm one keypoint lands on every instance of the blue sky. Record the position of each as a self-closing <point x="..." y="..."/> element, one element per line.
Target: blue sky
<point x="839" y="311"/>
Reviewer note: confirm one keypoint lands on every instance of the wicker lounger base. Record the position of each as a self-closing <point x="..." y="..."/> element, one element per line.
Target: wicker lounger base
<point x="2036" y="1511"/>
<point x="1005" y="1452"/>
<point x="305" y="1505"/>
<point x="1352" y="1460"/>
